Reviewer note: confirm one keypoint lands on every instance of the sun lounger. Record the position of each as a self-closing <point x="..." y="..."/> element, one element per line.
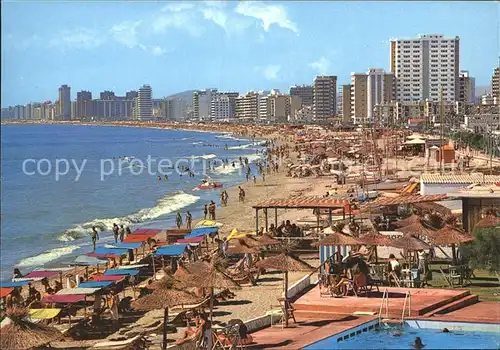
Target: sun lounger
<point x="119" y="344"/>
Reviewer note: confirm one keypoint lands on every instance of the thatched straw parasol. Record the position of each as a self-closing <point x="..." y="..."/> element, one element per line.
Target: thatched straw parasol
<point x="165" y="298"/>
<point x="240" y="247"/>
<point x="20" y="333"/>
<point x="410" y="242"/>
<point x="208" y="275"/>
<point x="431" y="207"/>
<point x="284" y="262"/>
<point x="451" y="235"/>
<point x="266" y="240"/>
<point x="408" y="221"/>
<point x="168" y="281"/>
<point x="488" y="221"/>
<point x="337" y="238"/>
<point x="419" y="229"/>
<point x="374" y="238"/>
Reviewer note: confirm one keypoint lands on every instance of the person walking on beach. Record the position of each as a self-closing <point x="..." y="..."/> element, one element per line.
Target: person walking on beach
<point x="94" y="235"/>
<point x="226" y="197"/>
<point x="222" y="198"/>
<point x="115" y="232"/>
<point x="178" y="220"/>
<point x="254" y="180"/>
<point x="189" y="219"/>
<point x="205" y="211"/>
<point x="241" y="194"/>
<point x="211" y="210"/>
<point x="127" y="231"/>
<point x="121" y="233"/>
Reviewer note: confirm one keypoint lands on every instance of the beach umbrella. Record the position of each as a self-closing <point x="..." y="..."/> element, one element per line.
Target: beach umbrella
<point x="17" y="332"/>
<point x="240" y="247"/>
<point x="208" y="275"/>
<point x="167" y="281"/>
<point x="408" y="221"/>
<point x="338" y="239"/>
<point x="488" y="221"/>
<point x="374" y="238"/>
<point x="285" y="262"/>
<point x="451" y="235"/>
<point x="266" y="240"/>
<point x="165" y="298"/>
<point x="410" y="242"/>
<point x="431" y="207"/>
<point x="418" y="229"/>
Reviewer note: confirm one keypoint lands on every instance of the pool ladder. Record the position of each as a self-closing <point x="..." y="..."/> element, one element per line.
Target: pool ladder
<point x="384" y="306"/>
<point x="407" y="302"/>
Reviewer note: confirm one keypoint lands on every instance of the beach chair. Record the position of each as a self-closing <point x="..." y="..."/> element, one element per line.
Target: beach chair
<point x="287" y="308"/>
<point x="394" y="278"/>
<point x="276" y="312"/>
<point x="132" y="343"/>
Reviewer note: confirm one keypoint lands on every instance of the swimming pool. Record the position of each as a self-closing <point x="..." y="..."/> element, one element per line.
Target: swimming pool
<point x="369" y="336"/>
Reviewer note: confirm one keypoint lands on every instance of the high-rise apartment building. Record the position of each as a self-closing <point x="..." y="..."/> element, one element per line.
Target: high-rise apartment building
<point x="131" y="95"/>
<point x="346" y="103"/>
<point x="144" y="104"/>
<point x="84" y="104"/>
<point x="305" y="92"/>
<point x="467" y="88"/>
<point x="223" y="105"/>
<point x="64" y="106"/>
<point x="107" y="95"/>
<point x="202" y="103"/>
<point x="248" y="105"/>
<point x="359" y="89"/>
<point x="495" y="84"/>
<point x="424" y="65"/>
<point x="324" y="96"/>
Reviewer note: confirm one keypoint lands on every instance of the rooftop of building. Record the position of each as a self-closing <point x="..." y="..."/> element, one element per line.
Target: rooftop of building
<point x="475" y="178"/>
<point x="479" y="191"/>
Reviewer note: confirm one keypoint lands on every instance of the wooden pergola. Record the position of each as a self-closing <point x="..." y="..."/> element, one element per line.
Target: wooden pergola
<point x="302" y="202"/>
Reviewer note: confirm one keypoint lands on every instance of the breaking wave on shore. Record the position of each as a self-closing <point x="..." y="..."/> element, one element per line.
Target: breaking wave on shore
<point x="166" y="205"/>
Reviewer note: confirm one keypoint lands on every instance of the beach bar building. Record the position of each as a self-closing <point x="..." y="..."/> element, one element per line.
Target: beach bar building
<point x="475" y="200"/>
<point x="306" y="202"/>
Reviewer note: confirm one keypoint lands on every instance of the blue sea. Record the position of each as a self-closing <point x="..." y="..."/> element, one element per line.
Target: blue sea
<point x="46" y="219"/>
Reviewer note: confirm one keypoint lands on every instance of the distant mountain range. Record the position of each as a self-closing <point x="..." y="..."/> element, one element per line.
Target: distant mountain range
<point x="186" y="96"/>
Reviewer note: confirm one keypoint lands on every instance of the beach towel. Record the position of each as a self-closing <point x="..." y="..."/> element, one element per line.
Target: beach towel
<point x="43" y="314"/>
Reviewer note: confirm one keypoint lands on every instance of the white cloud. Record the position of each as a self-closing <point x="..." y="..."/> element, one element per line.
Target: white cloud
<point x="79" y="38"/>
<point x="126" y="33"/>
<point x="268" y="14"/>
<point x="270" y="72"/>
<point x="215" y="3"/>
<point x="158" y="51"/>
<point x="219" y="17"/>
<point x="178" y="16"/>
<point x="322" y="66"/>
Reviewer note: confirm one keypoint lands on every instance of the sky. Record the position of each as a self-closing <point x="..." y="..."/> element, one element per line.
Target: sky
<point x="236" y="46"/>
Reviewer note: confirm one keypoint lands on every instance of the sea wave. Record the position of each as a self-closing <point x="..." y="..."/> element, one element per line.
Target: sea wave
<point x="205" y="156"/>
<point x="165" y="205"/>
<point x="47" y="256"/>
<point x="229" y="137"/>
<point x="198" y="143"/>
<point x="245" y="146"/>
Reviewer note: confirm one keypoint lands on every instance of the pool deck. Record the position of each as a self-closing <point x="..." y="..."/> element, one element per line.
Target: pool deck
<point x="305" y="332"/>
<point x="482" y="312"/>
<point x="423" y="300"/>
<point x="320" y="317"/>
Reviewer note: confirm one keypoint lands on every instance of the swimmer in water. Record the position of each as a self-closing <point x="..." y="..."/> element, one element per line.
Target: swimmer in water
<point x="445" y="330"/>
<point x="159" y="178"/>
<point x="166" y="177"/>
<point x="418" y="344"/>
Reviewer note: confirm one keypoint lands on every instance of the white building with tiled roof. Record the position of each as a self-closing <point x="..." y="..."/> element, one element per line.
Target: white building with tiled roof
<point x="433" y="183"/>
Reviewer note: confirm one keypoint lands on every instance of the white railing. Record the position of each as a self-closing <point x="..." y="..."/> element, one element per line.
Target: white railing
<point x="384" y="302"/>
<point x="407" y="302"/>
